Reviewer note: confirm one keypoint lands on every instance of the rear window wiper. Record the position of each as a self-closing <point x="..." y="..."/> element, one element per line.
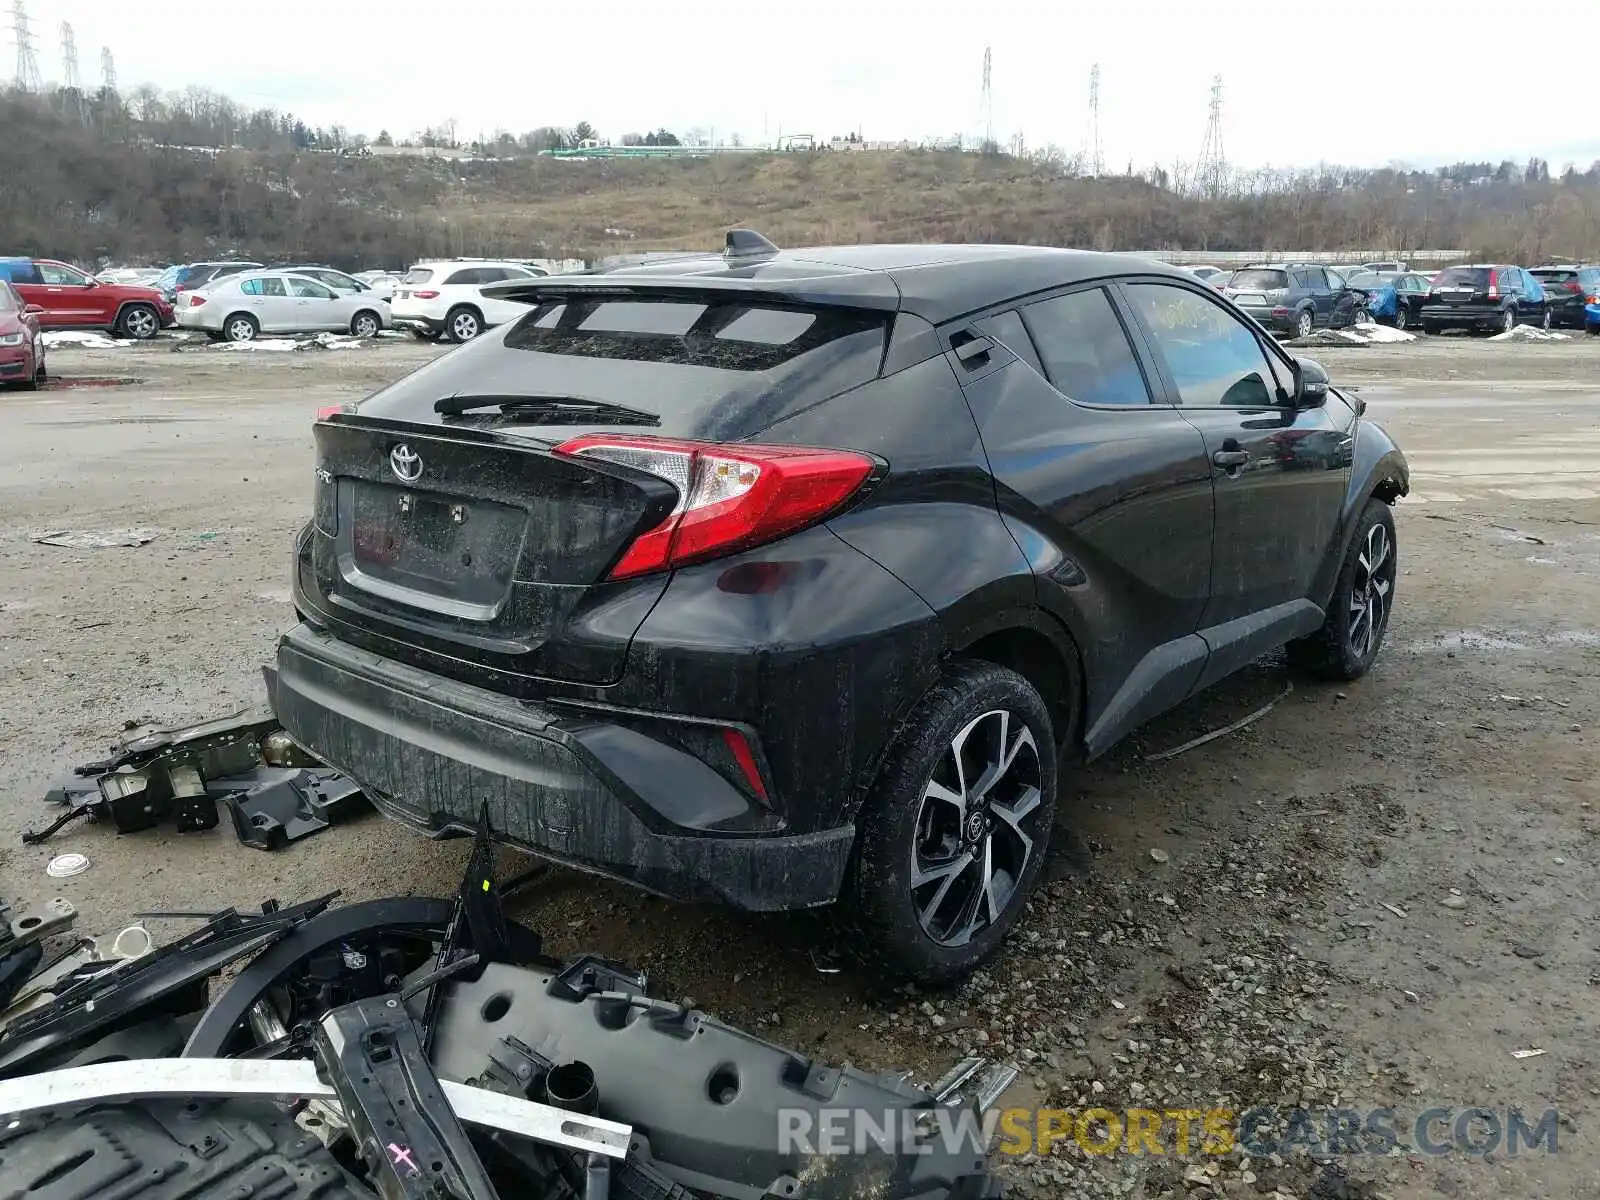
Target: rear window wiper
<point x="547" y="409"/>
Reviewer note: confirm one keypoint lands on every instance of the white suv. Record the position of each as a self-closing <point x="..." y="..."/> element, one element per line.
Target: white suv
<point x="446" y="299"/>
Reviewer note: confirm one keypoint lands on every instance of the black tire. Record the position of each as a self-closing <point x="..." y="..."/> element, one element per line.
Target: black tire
<point x="1342" y="649"/>
<point x="878" y="914"/>
<point x="463" y="323"/>
<point x="240" y="327"/>
<point x="1304" y="323"/>
<point x="138" y="322"/>
<point x="1401" y="317"/>
<point x="1432" y="329"/>
<point x="1508" y="320"/>
<point x="1547" y="319"/>
<point x="365" y="324"/>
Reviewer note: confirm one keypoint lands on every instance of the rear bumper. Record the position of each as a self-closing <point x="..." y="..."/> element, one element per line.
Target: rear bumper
<point x="1463" y="316"/>
<point x="564" y="784"/>
<point x="1267" y="319"/>
<point x="419" y="321"/>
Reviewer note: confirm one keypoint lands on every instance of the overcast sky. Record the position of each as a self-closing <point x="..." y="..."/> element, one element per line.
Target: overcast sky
<point x="1357" y="84"/>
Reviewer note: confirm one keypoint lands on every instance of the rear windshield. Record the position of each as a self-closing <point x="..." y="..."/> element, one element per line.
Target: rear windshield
<point x="190" y="274"/>
<point x="714" y="367"/>
<point x="1367" y="279"/>
<point x="1258" y="279"/>
<point x="417" y="275"/>
<point x="1548" y="275"/>
<point x="1462" y="277"/>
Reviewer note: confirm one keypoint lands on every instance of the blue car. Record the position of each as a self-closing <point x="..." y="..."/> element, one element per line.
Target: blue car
<point x="1393" y="297"/>
<point x="1591" y="314"/>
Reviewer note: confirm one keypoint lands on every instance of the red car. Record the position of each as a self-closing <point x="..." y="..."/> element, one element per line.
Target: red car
<point x="21" y="347"/>
<point x="69" y="299"/>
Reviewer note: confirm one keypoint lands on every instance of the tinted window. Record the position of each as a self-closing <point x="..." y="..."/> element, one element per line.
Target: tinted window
<point x="1366" y="279"/>
<point x="1477" y="277"/>
<point x="190" y="276"/>
<point x="1007" y="329"/>
<point x="309" y="289"/>
<point x="252" y="287"/>
<point x="1085" y="350"/>
<point x="1257" y="279"/>
<point x="1213" y="358"/>
<point x="1549" y="275"/>
<point x="417" y="275"/>
<point x="467" y="275"/>
<point x="706" y="382"/>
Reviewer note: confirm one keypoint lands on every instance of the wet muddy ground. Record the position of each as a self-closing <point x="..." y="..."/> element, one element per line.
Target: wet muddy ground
<point x="1371" y="897"/>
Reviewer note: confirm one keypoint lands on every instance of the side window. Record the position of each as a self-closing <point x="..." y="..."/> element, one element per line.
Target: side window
<point x="56" y="275"/>
<point x="1085" y="350"/>
<point x="1214" y="359"/>
<point x="467" y="275"/>
<point x="1316" y="279"/>
<point x="252" y="287"/>
<point x="273" y="287"/>
<point x="1007" y="329"/>
<point x="308" y="289"/>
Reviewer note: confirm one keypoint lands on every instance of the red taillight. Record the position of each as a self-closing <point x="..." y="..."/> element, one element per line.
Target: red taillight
<point x="731" y="497"/>
<point x="1494" y="288"/>
<point x="425" y="295"/>
<point x="196" y="299"/>
<point x="333" y="410"/>
<point x="739" y="746"/>
<point x="1575" y="287"/>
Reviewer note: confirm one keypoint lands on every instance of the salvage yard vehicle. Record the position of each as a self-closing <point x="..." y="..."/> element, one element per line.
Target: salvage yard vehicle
<point x="446" y="299"/>
<point x="21" y="348"/>
<point x="1485" y="298"/>
<point x="1296" y="298"/>
<point x="787" y="578"/>
<point x="1569" y="289"/>
<point x="1393" y="298"/>
<point x="70" y="299"/>
<point x="240" y="307"/>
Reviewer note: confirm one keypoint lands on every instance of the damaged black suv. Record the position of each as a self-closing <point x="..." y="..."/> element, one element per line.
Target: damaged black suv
<point x="786" y="578"/>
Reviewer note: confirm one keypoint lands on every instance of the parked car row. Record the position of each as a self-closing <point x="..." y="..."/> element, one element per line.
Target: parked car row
<point x="68" y="298"/>
<point x="1297" y="298"/>
<point x="240" y="306"/>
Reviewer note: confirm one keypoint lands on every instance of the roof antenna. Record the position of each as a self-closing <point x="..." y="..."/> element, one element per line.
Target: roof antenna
<point x="746" y="245"/>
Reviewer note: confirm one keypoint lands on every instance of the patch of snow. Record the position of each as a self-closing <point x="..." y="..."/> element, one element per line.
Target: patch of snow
<point x="1530" y="333"/>
<point x="88" y="339"/>
<point x="258" y="344"/>
<point x="1356" y="335"/>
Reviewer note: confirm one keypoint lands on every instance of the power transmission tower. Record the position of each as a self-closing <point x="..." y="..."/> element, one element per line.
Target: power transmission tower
<point x="985" y="101"/>
<point x="1092" y="153"/>
<point x="27" y="62"/>
<point x="1211" y="172"/>
<point x="69" y="67"/>
<point x="108" y="69"/>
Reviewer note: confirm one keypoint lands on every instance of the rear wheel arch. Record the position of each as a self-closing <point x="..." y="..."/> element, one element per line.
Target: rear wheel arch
<point x="1043" y="652"/>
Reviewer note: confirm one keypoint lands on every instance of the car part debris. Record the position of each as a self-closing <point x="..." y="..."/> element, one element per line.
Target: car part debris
<point x="274" y="792"/>
<point x="97" y="539"/>
<point x="65" y="866"/>
<point x="35" y="923"/>
<point x="545" y="1080"/>
<point x="274" y="806"/>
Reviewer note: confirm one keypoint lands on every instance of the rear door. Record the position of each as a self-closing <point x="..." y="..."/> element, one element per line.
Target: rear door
<point x="1107" y="491"/>
<point x="1280" y="476"/>
<point x="1322" y="295"/>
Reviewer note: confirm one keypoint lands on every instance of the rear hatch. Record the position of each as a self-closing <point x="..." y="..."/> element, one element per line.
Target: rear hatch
<point x="1463" y="285"/>
<point x="1257" y="286"/>
<point x="446" y="520"/>
<point x="1560" y="286"/>
<point x="414" y="279"/>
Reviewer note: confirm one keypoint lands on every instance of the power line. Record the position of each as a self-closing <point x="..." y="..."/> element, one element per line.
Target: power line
<point x="986" y="101"/>
<point x="27" y="62"/>
<point x="1211" y="173"/>
<point x="69" y="67"/>
<point x="1092" y="153"/>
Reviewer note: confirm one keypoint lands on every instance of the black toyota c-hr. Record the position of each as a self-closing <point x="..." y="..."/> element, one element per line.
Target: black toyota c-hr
<point x="788" y="577"/>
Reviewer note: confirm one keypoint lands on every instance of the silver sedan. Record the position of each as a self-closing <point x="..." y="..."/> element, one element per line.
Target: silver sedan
<point x="239" y="308"/>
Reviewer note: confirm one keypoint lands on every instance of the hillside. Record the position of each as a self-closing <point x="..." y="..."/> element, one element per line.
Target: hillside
<point x="109" y="189"/>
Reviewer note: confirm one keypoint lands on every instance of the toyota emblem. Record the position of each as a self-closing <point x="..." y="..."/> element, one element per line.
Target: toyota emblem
<point x="406" y="463"/>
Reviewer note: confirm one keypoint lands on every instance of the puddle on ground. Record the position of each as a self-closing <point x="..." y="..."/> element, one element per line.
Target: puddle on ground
<point x="1510" y="640"/>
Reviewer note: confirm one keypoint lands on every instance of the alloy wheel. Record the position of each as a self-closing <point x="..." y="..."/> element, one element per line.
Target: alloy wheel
<point x="140" y="324"/>
<point x="976" y="828"/>
<point x="1304" y="325"/>
<point x="1370" y="591"/>
<point x="464" y="326"/>
<point x="366" y="327"/>
<point x="242" y="330"/>
<point x="1400" y="317"/>
<point x="1509" y="321"/>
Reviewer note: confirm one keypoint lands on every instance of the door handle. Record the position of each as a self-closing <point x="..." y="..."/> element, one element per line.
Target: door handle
<point x="1231" y="459"/>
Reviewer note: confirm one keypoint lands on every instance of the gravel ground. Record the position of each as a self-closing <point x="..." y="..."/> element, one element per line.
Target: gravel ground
<point x="1370" y="897"/>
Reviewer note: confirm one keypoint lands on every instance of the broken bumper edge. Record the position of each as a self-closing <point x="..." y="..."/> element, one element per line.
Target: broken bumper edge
<point x="430" y="753"/>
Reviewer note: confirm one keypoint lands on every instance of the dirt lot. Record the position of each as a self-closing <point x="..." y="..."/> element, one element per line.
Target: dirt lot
<point x="1371" y="897"/>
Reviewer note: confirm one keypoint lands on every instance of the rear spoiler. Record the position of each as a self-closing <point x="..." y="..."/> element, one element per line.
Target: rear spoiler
<point x="703" y="274"/>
